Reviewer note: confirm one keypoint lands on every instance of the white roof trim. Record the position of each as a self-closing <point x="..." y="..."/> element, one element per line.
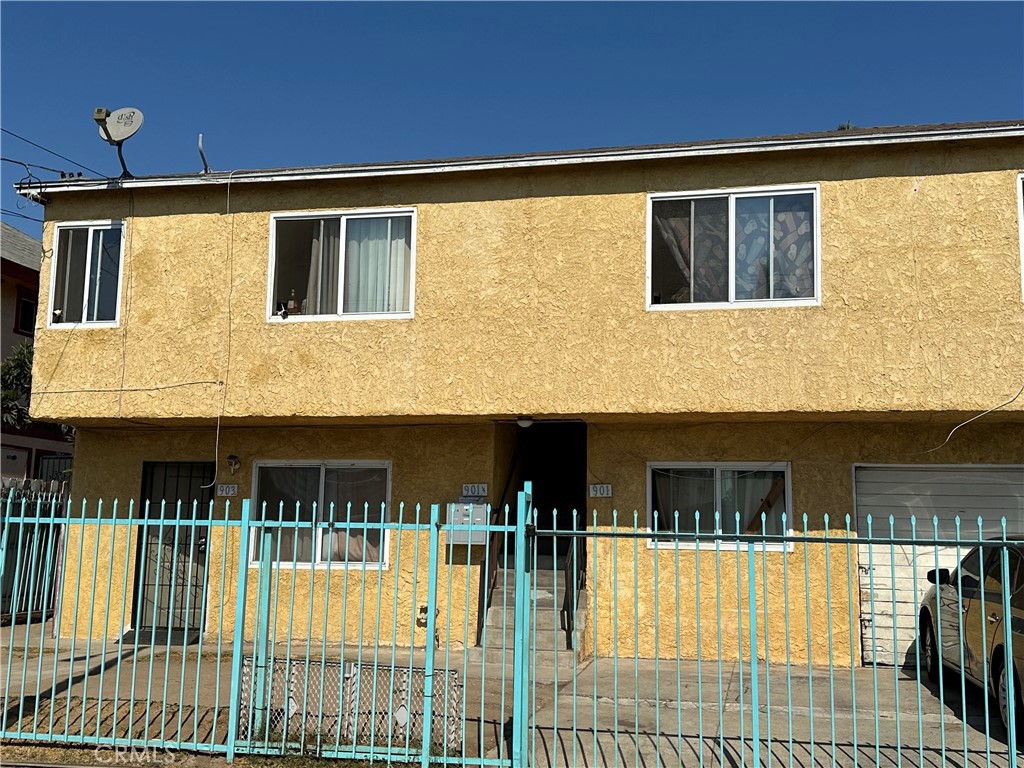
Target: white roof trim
<point x="538" y="160"/>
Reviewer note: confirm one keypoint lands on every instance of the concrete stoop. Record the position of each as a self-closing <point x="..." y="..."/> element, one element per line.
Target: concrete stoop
<point x="553" y="648"/>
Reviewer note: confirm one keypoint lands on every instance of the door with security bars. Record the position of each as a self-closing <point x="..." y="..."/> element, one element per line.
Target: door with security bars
<point x="170" y="596"/>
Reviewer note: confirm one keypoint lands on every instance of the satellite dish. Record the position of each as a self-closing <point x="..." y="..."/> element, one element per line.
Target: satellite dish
<point x="121" y="125"/>
<point x="116" y="127"/>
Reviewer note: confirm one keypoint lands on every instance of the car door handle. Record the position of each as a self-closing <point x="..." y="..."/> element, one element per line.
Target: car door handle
<point x="993" y="618"/>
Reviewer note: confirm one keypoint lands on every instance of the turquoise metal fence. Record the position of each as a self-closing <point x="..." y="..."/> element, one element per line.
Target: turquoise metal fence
<point x="601" y="642"/>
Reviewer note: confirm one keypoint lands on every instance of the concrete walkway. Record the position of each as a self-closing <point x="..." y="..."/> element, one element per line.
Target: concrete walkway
<point x="621" y="712"/>
<point x="614" y="715"/>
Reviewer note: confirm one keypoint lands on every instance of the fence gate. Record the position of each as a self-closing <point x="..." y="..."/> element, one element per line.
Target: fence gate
<point x="360" y="654"/>
<point x="172" y="558"/>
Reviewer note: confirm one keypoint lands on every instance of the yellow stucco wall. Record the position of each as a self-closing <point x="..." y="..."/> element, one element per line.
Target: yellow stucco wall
<point x="530" y="298"/>
<point x="821" y="458"/>
<point x="429" y="465"/>
<point x="642" y="592"/>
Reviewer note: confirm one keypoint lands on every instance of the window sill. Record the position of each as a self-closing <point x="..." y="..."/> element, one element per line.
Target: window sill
<point x="301" y="567"/>
<point x="297" y="318"/>
<point x="81" y="326"/>
<point x="725" y="547"/>
<point x="761" y="304"/>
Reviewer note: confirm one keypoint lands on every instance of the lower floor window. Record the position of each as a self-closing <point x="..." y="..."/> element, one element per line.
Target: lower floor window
<point x="354" y="495"/>
<point x="739" y="493"/>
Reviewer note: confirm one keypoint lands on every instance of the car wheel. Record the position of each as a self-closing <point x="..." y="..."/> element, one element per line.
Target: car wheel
<point x="1002" y="697"/>
<point x="929" y="650"/>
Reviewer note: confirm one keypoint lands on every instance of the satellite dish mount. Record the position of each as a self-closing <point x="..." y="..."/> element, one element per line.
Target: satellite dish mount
<point x="117" y="127"/>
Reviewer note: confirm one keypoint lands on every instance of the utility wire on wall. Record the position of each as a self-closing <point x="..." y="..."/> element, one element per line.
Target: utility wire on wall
<point x="974" y="418"/>
<point x="226" y="349"/>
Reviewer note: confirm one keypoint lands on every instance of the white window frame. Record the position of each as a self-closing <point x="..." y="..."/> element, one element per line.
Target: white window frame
<point x="382" y="565"/>
<point x="689" y="542"/>
<point x="92" y="226"/>
<point x="731" y="194"/>
<point x="367" y="213"/>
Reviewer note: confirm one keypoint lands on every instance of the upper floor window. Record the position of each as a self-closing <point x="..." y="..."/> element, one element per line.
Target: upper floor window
<point x="86" y="283"/>
<point x="342" y="264"/>
<point x="735" y="248"/>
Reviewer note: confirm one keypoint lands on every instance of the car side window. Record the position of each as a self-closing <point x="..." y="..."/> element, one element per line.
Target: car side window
<point x="1017" y="591"/>
<point x="966" y="575"/>
<point x="994" y="572"/>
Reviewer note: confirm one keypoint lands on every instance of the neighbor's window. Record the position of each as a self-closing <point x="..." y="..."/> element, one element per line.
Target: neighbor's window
<point x="86" y="274"/>
<point x="734" y="249"/>
<point x="25" y="314"/>
<point x="727" y="488"/>
<point x="352" y="494"/>
<point x="342" y="265"/>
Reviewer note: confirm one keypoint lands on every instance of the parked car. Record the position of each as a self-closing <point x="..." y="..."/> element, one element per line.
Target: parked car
<point x="964" y="602"/>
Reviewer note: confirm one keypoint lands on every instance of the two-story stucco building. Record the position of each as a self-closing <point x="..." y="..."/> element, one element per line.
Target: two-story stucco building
<point x="790" y="324"/>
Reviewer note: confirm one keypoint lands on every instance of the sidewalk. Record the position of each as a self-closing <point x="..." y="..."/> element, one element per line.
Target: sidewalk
<point x="622" y="712"/>
<point x="663" y="718"/>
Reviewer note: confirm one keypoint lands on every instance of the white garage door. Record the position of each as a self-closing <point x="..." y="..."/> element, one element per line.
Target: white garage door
<point x="992" y="493"/>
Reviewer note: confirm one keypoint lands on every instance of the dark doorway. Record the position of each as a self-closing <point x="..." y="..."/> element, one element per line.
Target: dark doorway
<point x="554" y="457"/>
<point x="170" y="594"/>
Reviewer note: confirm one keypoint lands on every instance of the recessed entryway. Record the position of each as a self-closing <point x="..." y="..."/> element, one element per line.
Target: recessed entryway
<point x="170" y="597"/>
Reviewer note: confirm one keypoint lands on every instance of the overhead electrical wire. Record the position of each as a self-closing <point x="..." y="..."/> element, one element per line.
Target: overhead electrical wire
<point x="55" y="154"/>
<point x="33" y="165"/>
<point x="7" y="212"/>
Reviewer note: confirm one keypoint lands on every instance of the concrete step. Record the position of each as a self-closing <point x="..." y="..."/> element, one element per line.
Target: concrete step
<point x="544" y="667"/>
<point x="546" y="631"/>
<point x="545" y="578"/>
<point x="547" y="616"/>
<point x="541" y="595"/>
<point x="546" y="639"/>
<point x="508" y="576"/>
<point x="563" y="660"/>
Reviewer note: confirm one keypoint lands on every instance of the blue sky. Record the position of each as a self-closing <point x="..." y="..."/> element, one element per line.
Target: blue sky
<point x="286" y="84"/>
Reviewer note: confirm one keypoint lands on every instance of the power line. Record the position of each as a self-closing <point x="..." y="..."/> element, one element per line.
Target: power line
<point x="7" y="212"/>
<point x="31" y="165"/>
<point x="56" y="154"/>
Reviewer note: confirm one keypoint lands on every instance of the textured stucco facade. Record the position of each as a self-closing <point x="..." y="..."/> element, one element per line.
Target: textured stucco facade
<point x="530" y="299"/>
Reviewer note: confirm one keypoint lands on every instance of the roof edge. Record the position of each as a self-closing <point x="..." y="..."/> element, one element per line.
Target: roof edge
<point x="832" y="139"/>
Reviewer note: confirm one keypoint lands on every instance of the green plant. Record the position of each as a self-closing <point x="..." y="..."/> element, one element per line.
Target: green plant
<point x="16" y="376"/>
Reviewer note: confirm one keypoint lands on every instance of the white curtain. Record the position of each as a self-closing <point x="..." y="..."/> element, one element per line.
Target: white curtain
<point x="686" y="491"/>
<point x="324" y="259"/>
<point x="377" y="264"/>
<point x="743" y="491"/>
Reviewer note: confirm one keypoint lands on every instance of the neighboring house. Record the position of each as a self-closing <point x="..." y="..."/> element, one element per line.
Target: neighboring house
<point x="38" y="450"/>
<point x="791" y="324"/>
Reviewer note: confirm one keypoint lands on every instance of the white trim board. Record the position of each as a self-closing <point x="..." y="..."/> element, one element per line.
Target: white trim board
<point x="538" y="160"/>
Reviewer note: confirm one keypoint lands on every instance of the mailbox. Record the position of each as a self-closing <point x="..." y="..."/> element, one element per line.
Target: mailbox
<point x="464" y="513"/>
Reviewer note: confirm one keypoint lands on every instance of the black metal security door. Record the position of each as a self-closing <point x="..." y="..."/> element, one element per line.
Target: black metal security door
<point x="170" y="597"/>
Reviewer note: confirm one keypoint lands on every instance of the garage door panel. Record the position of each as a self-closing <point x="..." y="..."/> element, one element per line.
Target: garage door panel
<point x="943" y="493"/>
<point x="963" y="504"/>
<point x="993" y="477"/>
